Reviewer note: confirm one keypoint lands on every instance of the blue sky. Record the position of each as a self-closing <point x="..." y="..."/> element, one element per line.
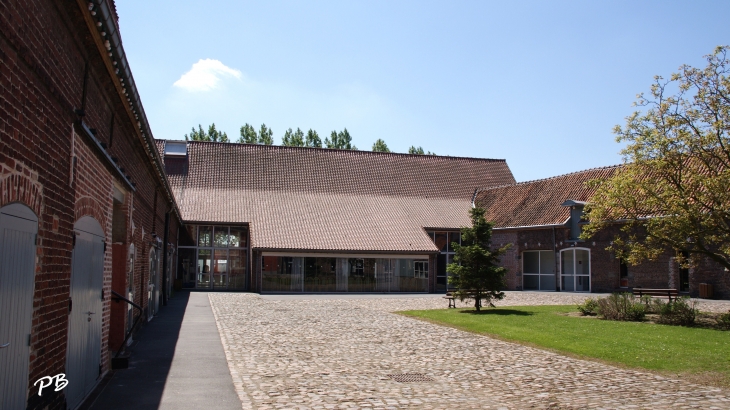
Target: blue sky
<point x="538" y="83"/>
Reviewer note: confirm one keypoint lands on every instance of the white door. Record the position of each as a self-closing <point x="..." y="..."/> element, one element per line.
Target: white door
<point x="18" y="228"/>
<point x="83" y="353"/>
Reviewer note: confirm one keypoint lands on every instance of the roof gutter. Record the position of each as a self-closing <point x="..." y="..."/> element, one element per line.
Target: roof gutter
<point x="100" y="20"/>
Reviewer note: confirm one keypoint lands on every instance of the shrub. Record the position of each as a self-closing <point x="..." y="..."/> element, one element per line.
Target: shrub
<point x="589" y="307"/>
<point x="679" y="312"/>
<point x="723" y="321"/>
<point x="621" y="306"/>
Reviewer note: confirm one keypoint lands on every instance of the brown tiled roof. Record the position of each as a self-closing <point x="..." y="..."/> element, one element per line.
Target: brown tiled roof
<point x="324" y="199"/>
<point x="539" y="202"/>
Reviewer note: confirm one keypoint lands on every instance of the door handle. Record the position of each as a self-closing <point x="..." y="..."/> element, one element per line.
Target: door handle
<point x="90" y="313"/>
<point x="5" y="345"/>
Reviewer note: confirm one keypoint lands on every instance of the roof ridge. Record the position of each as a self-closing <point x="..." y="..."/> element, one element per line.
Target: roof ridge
<point x="552" y="177"/>
<point x="362" y="152"/>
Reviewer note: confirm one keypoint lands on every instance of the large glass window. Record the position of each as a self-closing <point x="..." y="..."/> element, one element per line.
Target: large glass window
<point x="327" y="274"/>
<point x="444" y="241"/>
<point x="538" y="270"/>
<point x="219" y="260"/>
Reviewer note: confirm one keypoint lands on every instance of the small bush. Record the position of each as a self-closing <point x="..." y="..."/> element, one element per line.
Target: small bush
<point x="680" y="312"/>
<point x="589" y="307"/>
<point x="621" y="306"/>
<point x="723" y="321"/>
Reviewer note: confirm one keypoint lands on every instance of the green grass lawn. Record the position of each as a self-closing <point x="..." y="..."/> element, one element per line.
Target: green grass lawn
<point x="679" y="350"/>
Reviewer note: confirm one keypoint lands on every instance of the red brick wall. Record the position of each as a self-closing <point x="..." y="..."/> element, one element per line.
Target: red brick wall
<point x="45" y="46"/>
<point x="605" y="267"/>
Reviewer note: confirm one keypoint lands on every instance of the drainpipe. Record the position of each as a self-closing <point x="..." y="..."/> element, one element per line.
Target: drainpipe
<point x="164" y="258"/>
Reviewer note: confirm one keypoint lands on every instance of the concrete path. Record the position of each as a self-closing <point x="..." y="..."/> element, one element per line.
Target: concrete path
<point x="343" y="353"/>
<point x="177" y="363"/>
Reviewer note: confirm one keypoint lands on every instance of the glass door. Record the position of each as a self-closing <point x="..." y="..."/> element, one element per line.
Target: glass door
<point x="220" y="268"/>
<point x="203" y="279"/>
<point x="575" y="270"/>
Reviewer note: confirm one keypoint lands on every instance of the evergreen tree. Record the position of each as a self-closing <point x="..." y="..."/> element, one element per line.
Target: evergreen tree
<point x="476" y="272"/>
<point x="293" y="138"/>
<point x="340" y="140"/>
<point x="212" y="135"/>
<point x="419" y="151"/>
<point x="380" y="146"/>
<point x="266" y="135"/>
<point x="248" y="135"/>
<point x="313" y="139"/>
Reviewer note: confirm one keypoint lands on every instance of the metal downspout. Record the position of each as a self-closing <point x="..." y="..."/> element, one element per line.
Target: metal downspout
<point x="164" y="258"/>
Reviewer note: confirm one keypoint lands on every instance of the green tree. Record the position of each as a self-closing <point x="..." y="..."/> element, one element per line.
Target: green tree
<point x="313" y="139"/>
<point x="418" y="150"/>
<point x="414" y="150"/>
<point x="340" y="140"/>
<point x="212" y="135"/>
<point x="293" y="138"/>
<point x="266" y="135"/>
<point x="673" y="192"/>
<point x="380" y="146"/>
<point x="248" y="135"/>
<point x="476" y="272"/>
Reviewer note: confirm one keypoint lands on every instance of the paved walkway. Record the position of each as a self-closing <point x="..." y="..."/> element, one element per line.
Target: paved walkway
<point x="317" y="353"/>
<point x="177" y="363"/>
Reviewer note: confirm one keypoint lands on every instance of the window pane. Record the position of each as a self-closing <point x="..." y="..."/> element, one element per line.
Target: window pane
<point x="237" y="269"/>
<point x="275" y="274"/>
<point x="238" y="237"/>
<point x="221" y="237"/>
<point x="362" y="275"/>
<point x="454" y="237"/>
<point x="530" y="262"/>
<point x="441" y="241"/>
<point x="547" y="262"/>
<point x="204" y="261"/>
<point x="567" y="283"/>
<point x="530" y="282"/>
<point x="220" y="268"/>
<point x="320" y="274"/>
<point x="582" y="283"/>
<point x="566" y="263"/>
<point x="582" y="262"/>
<point x="547" y="282"/>
<point x="205" y="236"/>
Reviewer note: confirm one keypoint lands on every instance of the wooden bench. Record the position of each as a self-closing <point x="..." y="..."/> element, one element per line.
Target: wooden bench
<point x="451" y="296"/>
<point x="666" y="293"/>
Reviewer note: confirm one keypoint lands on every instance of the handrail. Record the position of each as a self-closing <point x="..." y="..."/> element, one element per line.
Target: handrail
<point x="117" y="296"/>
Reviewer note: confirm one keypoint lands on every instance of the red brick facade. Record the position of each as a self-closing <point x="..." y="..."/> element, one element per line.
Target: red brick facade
<point x="46" y="52"/>
<point x="605" y="267"/>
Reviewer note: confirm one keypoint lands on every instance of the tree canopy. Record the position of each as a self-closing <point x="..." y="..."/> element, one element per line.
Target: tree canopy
<point x="340" y="140"/>
<point x="293" y="138"/>
<point x="202" y="135"/>
<point x="312" y="139"/>
<point x="380" y="146"/>
<point x="673" y="192"/>
<point x="419" y="151"/>
<point x="249" y="135"/>
<point x="476" y="272"/>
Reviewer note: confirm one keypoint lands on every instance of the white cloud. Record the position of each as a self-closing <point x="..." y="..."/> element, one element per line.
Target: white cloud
<point x="206" y="75"/>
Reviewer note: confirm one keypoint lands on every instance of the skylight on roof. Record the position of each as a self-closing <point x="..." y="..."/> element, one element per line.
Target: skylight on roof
<point x="178" y="148"/>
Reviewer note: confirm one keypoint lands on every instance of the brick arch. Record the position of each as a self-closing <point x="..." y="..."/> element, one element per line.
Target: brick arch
<point x="88" y="206"/>
<point x="23" y="189"/>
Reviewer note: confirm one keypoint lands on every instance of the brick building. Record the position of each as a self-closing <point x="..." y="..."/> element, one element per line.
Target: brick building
<point x="85" y="208"/>
<point x="541" y="220"/>
<point x="289" y="219"/>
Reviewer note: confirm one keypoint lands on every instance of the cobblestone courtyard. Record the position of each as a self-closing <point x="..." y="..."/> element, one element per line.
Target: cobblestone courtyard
<point x="318" y="353"/>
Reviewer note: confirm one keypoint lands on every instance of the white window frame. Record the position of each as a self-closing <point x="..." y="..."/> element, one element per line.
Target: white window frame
<point x="590" y="270"/>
